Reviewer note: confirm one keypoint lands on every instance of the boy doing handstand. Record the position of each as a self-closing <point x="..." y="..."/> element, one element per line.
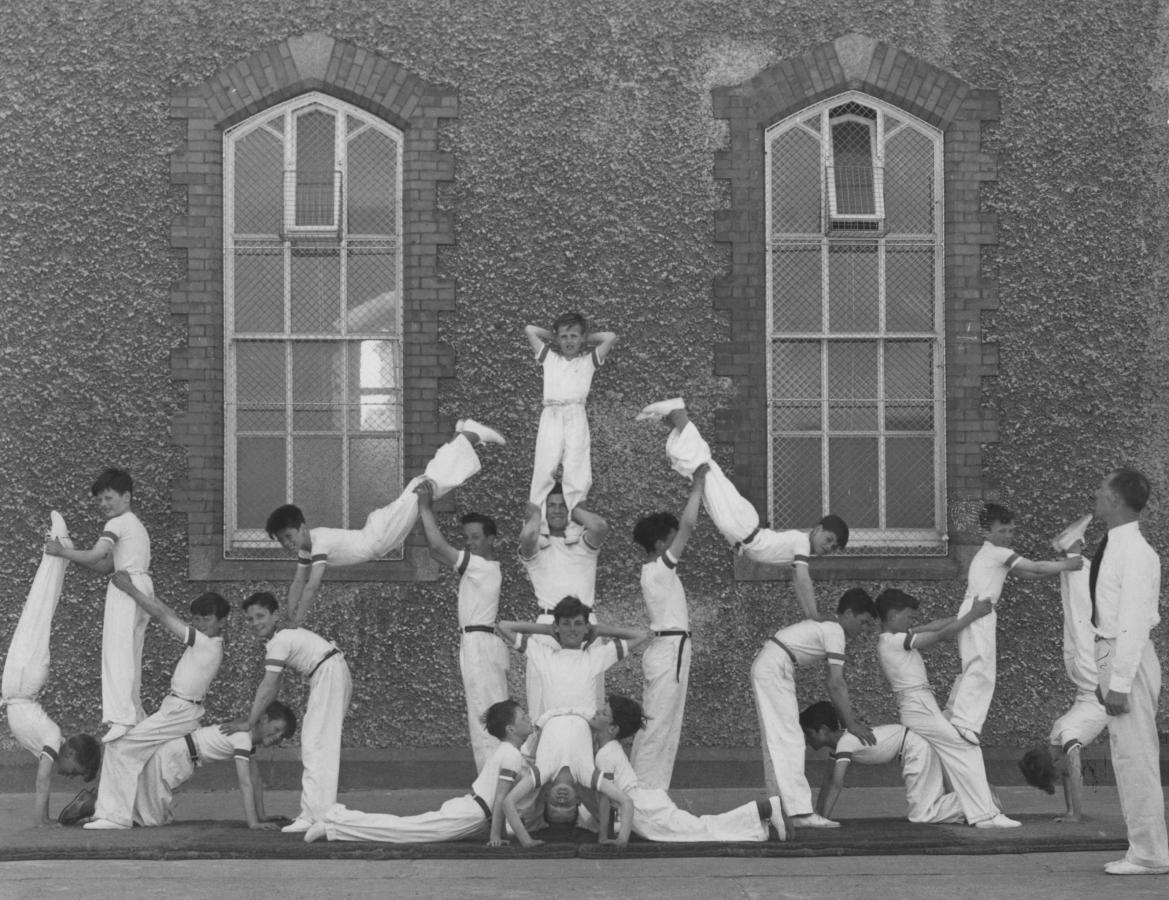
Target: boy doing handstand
<point x="384" y="530"/>
<point x="569" y="357"/>
<point x="26" y="671"/>
<point x="734" y="515"/>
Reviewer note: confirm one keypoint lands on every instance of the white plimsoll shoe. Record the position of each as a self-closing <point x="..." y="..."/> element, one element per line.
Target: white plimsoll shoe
<point x="315" y="832"/>
<point x="660" y="410"/>
<point x="298" y="826"/>
<point x="486" y="435"/>
<point x="104" y="825"/>
<point x="813" y="820"/>
<point x="1125" y="867"/>
<point x="998" y="821"/>
<point x="1066" y="539"/>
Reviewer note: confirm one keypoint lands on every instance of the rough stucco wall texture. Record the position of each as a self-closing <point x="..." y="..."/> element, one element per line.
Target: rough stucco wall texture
<point x="583" y="179"/>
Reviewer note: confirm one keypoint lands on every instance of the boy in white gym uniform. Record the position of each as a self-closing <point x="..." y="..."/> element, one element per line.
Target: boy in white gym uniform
<point x="568" y="357"/>
<point x="478" y="812"/>
<point x="973" y="689"/>
<point x="26" y="671"/>
<point x="734" y="515"/>
<point x="898" y="652"/>
<point x="921" y="770"/>
<point x="323" y="666"/>
<point x="124" y="545"/>
<point x="483" y="660"/>
<point x="774" y="687"/>
<point x="384" y="530"/>
<point x="180" y="710"/>
<point x="655" y="816"/>
<point x="173" y="764"/>
<point x="666" y="661"/>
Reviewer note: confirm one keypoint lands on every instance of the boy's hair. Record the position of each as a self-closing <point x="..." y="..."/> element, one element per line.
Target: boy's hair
<point x="286" y="516"/>
<point x="568" y="319"/>
<point x="570" y="608"/>
<point x="838" y="527"/>
<point x="86" y="750"/>
<point x="118" y="480"/>
<point x="892" y="599"/>
<point x="1038" y="769"/>
<point x="487" y="522"/>
<point x="499" y="716"/>
<point x="265" y="599"/>
<point x="210" y="604"/>
<point x="628" y="715"/>
<point x="1132" y="487"/>
<point x="557" y="488"/>
<point x="856" y="601"/>
<point x="282" y="712"/>
<point x="992" y="513"/>
<point x="821" y="714"/>
<point x="653" y="528"/>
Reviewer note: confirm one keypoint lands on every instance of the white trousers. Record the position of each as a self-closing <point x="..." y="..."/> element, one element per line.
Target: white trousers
<point x="483" y="662"/>
<point x="26" y="667"/>
<point x="320" y="737"/>
<point x="386" y="528"/>
<point x="458" y="818"/>
<point x="124" y="759"/>
<point x="961" y="761"/>
<point x="656" y="818"/>
<point x="773" y="684"/>
<point x="562" y="440"/>
<point x="165" y="771"/>
<point x="733" y="515"/>
<point x="1136" y="757"/>
<point x="1083" y="721"/>
<point x="925" y="784"/>
<point x="122" y="636"/>
<point x="973" y="689"/>
<point x="655" y="747"/>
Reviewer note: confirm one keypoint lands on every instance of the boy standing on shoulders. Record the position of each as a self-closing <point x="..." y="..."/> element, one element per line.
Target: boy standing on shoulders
<point x="124" y="546"/>
<point x="320" y="663"/>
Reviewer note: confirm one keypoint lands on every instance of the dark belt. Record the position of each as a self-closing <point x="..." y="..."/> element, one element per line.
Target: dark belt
<point x="786" y="649"/>
<point x="186" y="699"/>
<point x="192" y="750"/>
<point x="486" y="629"/>
<point x="324" y="659"/>
<point x="482" y="804"/>
<point x="685" y="636"/>
<point x="901" y="746"/>
<point x="739" y="545"/>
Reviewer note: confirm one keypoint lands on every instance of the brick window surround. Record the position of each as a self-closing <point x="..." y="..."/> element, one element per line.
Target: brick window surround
<point x="858" y="63"/>
<point x="272" y="75"/>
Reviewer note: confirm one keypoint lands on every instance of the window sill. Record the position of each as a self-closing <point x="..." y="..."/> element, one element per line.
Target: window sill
<point x="209" y="564"/>
<point x="950" y="567"/>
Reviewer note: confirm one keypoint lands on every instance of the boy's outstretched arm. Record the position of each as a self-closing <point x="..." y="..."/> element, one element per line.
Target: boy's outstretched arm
<point x="267" y="692"/>
<point x="602" y="342"/>
<point x="99" y="557"/>
<point x="303" y="591"/>
<point x="689" y="518"/>
<point x="924" y="639"/>
<point x="440" y="550"/>
<point x="249" y="786"/>
<point x="511" y="811"/>
<point x="634" y="637"/>
<point x="830" y="790"/>
<point x="607" y="789"/>
<point x="805" y="593"/>
<point x="509" y="630"/>
<point x="503" y="787"/>
<point x="838" y="692"/>
<point x="538" y="337"/>
<point x="1073" y="787"/>
<point x="1029" y="569"/>
<point x="596" y="528"/>
<point x="157" y="610"/>
<point x="44" y="786"/>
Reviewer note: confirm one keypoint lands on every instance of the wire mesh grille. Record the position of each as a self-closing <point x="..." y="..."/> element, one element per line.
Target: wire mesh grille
<point x="856" y="353"/>
<point x="314" y="397"/>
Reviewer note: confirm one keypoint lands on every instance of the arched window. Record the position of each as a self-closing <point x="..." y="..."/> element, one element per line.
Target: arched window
<point x="313" y="317"/>
<point x="855" y="316"/>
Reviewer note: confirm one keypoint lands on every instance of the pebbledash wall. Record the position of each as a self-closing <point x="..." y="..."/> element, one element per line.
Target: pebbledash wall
<point x="606" y="157"/>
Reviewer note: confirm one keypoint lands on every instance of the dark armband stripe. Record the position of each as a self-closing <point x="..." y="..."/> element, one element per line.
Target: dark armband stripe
<point x="845" y="756"/>
<point x="508" y="774"/>
<point x="240" y="753"/>
<point x="109" y="536"/>
<point x="463" y="562"/>
<point x="1012" y="559"/>
<point x="620" y="650"/>
<point x="190" y="641"/>
<point x="800" y="560"/>
<point x="543" y="354"/>
<point x="1073" y="744"/>
<point x="320" y="558"/>
<point x="909" y="640"/>
<point x="275" y="663"/>
<point x="50" y="751"/>
<point x="669" y="560"/>
<point x="304" y="560"/>
<point x="835" y="656"/>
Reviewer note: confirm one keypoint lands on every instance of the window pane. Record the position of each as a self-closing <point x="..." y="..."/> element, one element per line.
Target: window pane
<point x="316" y="290"/>
<point x="852" y="161"/>
<point x="259" y="289"/>
<point x="795" y="385"/>
<point x="909" y="386"/>
<point x="796" y="480"/>
<point x="259" y="386"/>
<point x="373" y="169"/>
<point x="795" y="183"/>
<point x="796" y="274"/>
<point x="374" y="386"/>
<point x="853" y="287"/>
<point x="852" y="386"/>
<point x="316" y="167"/>
<point x="372" y="286"/>
<point x="909" y="183"/>
<point x="375" y="476"/>
<point x="909" y="288"/>
<point x="317" y="478"/>
<point x="259" y="482"/>
<point x="259" y="174"/>
<point x="853" y="482"/>
<point x="318" y="374"/>
<point x="909" y="474"/>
